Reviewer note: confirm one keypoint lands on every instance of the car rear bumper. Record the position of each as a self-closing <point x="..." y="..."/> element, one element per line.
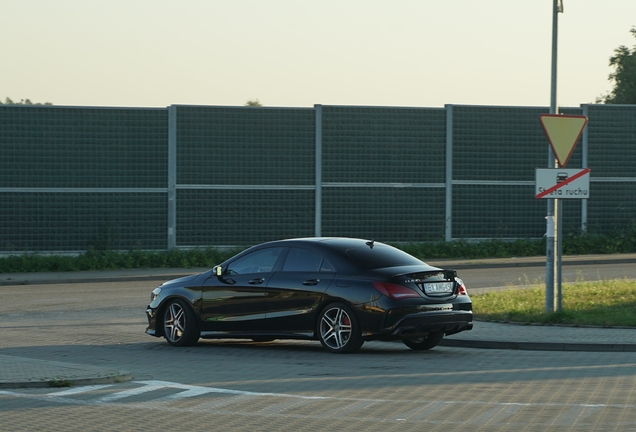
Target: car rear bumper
<point x="423" y="323"/>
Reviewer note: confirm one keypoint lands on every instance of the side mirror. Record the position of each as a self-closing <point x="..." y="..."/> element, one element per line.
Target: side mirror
<point x="218" y="271"/>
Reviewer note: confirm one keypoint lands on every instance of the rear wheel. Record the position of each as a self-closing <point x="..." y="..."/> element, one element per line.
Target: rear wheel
<point x="338" y="329"/>
<point x="179" y="325"/>
<point x="425" y="342"/>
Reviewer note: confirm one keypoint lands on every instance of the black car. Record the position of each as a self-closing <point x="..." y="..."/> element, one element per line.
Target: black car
<point x="340" y="291"/>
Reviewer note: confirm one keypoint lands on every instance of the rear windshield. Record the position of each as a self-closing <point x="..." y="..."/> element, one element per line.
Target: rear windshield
<point x="381" y="256"/>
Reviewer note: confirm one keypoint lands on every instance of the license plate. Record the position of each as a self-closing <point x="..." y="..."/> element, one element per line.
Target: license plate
<point x="438" y="288"/>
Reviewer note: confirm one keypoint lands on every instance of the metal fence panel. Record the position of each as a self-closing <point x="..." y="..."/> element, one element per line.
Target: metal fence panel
<point x="384" y="213"/>
<point x="66" y="147"/>
<point x="611" y="133"/>
<point x="242" y="217"/>
<point x="495" y="153"/>
<point x="72" y="178"/>
<point x="383" y="173"/>
<point x="245" y="146"/>
<point x="611" y="206"/>
<point x="383" y="145"/>
<point x="501" y="143"/>
<point x="78" y="221"/>
<point x="611" y="148"/>
<point x="244" y="175"/>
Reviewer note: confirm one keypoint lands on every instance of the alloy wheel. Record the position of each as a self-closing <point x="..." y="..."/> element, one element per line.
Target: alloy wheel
<point x="338" y="329"/>
<point x="174" y="322"/>
<point x="179" y="325"/>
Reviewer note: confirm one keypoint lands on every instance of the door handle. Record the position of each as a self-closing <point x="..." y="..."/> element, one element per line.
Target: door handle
<point x="257" y="281"/>
<point x="311" y="282"/>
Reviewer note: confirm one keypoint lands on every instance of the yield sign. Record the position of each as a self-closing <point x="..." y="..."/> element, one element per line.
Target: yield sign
<point x="563" y="132"/>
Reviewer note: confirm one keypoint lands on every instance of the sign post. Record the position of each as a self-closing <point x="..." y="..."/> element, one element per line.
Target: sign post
<point x="563" y="133"/>
<point x="557" y="7"/>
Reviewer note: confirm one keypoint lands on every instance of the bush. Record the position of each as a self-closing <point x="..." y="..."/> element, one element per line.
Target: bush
<point x="111" y="260"/>
<point x="620" y="241"/>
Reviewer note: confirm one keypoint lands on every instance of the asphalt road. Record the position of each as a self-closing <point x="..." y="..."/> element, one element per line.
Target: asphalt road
<point x="286" y="385"/>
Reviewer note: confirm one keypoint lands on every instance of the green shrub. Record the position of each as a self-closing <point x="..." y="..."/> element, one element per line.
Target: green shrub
<point x="110" y="260"/>
<point x="620" y="241"/>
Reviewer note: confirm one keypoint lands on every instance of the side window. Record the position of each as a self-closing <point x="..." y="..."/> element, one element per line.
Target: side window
<point x="303" y="260"/>
<point x="260" y="261"/>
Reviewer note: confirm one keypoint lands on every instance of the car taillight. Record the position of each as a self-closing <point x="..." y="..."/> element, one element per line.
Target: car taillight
<point x="461" y="288"/>
<point x="395" y="291"/>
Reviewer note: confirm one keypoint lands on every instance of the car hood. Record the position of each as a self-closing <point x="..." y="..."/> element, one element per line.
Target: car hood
<point x="186" y="279"/>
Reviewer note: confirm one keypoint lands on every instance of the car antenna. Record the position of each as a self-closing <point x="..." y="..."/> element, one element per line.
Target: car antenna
<point x="370" y="243"/>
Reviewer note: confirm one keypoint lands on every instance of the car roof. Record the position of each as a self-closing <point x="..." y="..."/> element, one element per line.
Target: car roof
<point x="330" y="245"/>
<point x="336" y="242"/>
<point x="341" y="251"/>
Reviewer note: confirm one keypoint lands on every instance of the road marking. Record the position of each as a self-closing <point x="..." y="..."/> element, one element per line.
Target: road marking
<point x="163" y="384"/>
<point x="148" y="386"/>
<point x="197" y="391"/>
<point x="239" y="402"/>
<point x="78" y="390"/>
<point x="128" y="393"/>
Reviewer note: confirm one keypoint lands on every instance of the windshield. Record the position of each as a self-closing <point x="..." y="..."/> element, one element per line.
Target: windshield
<point x="380" y="256"/>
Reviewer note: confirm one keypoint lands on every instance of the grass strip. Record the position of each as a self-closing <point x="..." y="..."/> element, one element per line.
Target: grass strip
<point x="610" y="303"/>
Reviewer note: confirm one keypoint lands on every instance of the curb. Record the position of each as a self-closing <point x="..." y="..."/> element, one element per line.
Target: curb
<point x="538" y="346"/>
<point x="61" y="382"/>
<point x="98" y="279"/>
<point x="147" y="275"/>
<point x="463" y="265"/>
<point x="22" y="372"/>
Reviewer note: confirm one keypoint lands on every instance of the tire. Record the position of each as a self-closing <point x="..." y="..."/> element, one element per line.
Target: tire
<point x="338" y="329"/>
<point x="425" y="342"/>
<point x="179" y="324"/>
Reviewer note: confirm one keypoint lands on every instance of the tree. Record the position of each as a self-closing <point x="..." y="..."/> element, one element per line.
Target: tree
<point x="8" y="101"/>
<point x="624" y="76"/>
<point x="253" y="103"/>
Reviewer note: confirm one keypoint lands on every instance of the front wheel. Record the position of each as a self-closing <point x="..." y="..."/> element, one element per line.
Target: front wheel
<point x="424" y="343"/>
<point x="338" y="329"/>
<point x="179" y="324"/>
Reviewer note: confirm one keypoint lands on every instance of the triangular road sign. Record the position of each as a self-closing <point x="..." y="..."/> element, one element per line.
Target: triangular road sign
<point x="563" y="132"/>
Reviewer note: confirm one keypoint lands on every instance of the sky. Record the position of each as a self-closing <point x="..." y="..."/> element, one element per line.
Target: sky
<point x="297" y="53"/>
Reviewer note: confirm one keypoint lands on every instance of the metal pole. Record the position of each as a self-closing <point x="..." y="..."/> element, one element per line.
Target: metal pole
<point x="559" y="236"/>
<point x="584" y="164"/>
<point x="551" y="222"/>
<point x="318" y="167"/>
<point x="448" y="224"/>
<point x="172" y="177"/>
